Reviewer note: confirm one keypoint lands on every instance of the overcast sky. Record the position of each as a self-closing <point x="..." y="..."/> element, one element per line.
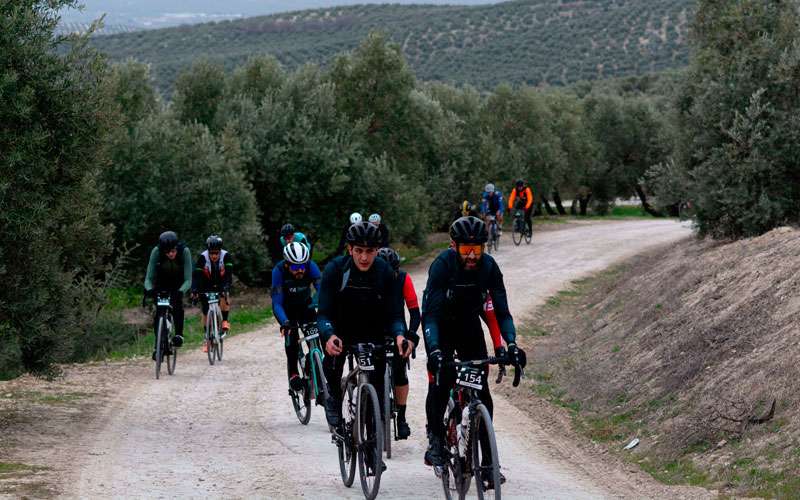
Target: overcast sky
<point x="158" y="13"/>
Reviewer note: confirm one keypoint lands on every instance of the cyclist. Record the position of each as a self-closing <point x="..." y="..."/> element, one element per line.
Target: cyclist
<point x="376" y="220"/>
<point x="357" y="304"/>
<point x="523" y="196"/>
<point x="355" y="218"/>
<point x="213" y="272"/>
<point x="467" y="209"/>
<point x="170" y="270"/>
<point x="292" y="279"/>
<point x="405" y="289"/>
<point x="289" y="235"/>
<point x="492" y="204"/>
<point x="459" y="281"/>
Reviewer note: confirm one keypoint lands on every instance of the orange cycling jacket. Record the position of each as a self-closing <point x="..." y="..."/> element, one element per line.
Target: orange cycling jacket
<point x="526" y="195"/>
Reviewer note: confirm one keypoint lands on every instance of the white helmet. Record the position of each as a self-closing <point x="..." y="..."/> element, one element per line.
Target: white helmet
<point x="296" y="253"/>
<point x="489" y="188"/>
<point x="375" y="218"/>
<point x="355" y="218"/>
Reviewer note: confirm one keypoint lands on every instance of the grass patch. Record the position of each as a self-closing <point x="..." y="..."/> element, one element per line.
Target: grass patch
<point x="124" y="298"/>
<point x="9" y="467"/>
<point x="47" y="398"/>
<point x="243" y="319"/>
<point x="681" y="471"/>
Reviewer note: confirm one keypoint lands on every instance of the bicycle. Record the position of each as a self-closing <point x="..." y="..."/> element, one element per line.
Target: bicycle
<point x="494" y="235"/>
<point x="521" y="229"/>
<point x="467" y="420"/>
<point x="361" y="435"/>
<point x="310" y="366"/>
<point x="389" y="405"/>
<point x="164" y="333"/>
<point x="212" y="327"/>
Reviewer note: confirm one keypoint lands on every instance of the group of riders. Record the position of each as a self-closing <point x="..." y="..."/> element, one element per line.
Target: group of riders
<point x="361" y="297"/>
<point x="492" y="204"/>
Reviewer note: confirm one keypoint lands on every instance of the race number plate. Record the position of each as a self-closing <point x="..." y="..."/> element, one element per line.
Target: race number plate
<point x="163" y="301"/>
<point x="213" y="298"/>
<point x="469" y="376"/>
<point x="312" y="332"/>
<point x="365" y="361"/>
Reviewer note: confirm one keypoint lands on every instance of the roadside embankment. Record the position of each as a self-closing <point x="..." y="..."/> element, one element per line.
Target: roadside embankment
<point x="691" y="348"/>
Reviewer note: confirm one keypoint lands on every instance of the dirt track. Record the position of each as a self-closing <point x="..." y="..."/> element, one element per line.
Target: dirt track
<point x="229" y="430"/>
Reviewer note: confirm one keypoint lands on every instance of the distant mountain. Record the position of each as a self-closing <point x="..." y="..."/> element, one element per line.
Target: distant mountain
<point x="522" y="42"/>
<point x="130" y="15"/>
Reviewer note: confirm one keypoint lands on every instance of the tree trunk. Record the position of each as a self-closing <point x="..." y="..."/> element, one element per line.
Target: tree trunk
<point x="584" y="202"/>
<point x="557" y="201"/>
<point x="547" y="207"/>
<point x="573" y="209"/>
<point x="646" y="206"/>
<point x="537" y="208"/>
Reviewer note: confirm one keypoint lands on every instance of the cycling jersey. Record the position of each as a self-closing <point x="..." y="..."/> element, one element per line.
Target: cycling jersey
<point x="491" y="204"/>
<point x="523" y="196"/>
<point x="165" y="274"/>
<point x="211" y="276"/>
<point x="291" y="297"/>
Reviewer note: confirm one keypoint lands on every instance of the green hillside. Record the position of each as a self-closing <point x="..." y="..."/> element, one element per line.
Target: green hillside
<point x="530" y="41"/>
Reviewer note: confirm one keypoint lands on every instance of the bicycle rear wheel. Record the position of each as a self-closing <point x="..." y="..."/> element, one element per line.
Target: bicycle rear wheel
<point x="482" y="427"/>
<point x="172" y="360"/>
<point x="370" y="441"/>
<point x="300" y="399"/>
<point x="218" y="337"/>
<point x="321" y="392"/>
<point x="528" y="234"/>
<point x="388" y="414"/>
<point x="347" y="446"/>
<point x="159" y="345"/>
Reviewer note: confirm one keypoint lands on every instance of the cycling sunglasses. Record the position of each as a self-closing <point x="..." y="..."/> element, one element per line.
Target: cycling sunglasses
<point x="297" y="267"/>
<point x="465" y="250"/>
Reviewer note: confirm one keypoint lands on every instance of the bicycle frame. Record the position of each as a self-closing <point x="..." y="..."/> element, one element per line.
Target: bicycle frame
<point x="214" y="314"/>
<point x="313" y="344"/>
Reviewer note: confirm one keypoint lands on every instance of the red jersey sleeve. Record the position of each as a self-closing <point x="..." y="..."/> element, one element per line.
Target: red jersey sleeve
<point x="491" y="322"/>
<point x="409" y="294"/>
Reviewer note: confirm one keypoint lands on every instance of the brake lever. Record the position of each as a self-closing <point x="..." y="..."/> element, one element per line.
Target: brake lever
<point x="517" y="375"/>
<point x="500" y="373"/>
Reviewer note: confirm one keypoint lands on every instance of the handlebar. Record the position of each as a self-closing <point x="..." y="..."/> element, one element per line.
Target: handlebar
<point x="502" y="362"/>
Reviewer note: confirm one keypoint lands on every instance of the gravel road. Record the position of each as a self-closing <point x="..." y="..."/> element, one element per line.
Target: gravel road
<point x="229" y="430"/>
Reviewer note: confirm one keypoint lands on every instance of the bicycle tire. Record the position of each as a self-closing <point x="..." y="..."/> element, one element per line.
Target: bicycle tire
<point x="370" y="439"/>
<point x="159" y="334"/>
<point x="172" y="360"/>
<point x="455" y="464"/>
<point x="388" y="414"/>
<point x="320" y="381"/>
<point x="219" y="337"/>
<point x="517" y="235"/>
<point x="482" y="416"/>
<point x="347" y="447"/>
<point x="300" y="401"/>
<point x="210" y="339"/>
<point x="528" y="234"/>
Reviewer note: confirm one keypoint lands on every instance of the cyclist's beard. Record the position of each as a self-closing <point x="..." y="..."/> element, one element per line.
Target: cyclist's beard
<point x="470" y="262"/>
<point x="298" y="275"/>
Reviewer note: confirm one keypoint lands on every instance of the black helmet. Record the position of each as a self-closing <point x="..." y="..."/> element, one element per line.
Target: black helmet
<point x="520" y="183"/>
<point x="391" y="256"/>
<point x="287" y="229"/>
<point x="469" y="230"/>
<point x="214" y="242"/>
<point x="167" y="241"/>
<point x="363" y="234"/>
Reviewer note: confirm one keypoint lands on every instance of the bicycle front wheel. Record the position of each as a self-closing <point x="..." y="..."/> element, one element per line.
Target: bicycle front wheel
<point x="300" y="399"/>
<point x="485" y="462"/>
<point x="159" y="345"/>
<point x="455" y="479"/>
<point x="347" y="446"/>
<point x="370" y="441"/>
<point x="210" y="334"/>
<point x="528" y="234"/>
<point x="218" y="337"/>
<point x="172" y="360"/>
<point x="517" y="235"/>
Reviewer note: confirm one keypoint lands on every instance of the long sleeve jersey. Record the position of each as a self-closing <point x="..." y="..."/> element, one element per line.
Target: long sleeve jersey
<point x="163" y="274"/>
